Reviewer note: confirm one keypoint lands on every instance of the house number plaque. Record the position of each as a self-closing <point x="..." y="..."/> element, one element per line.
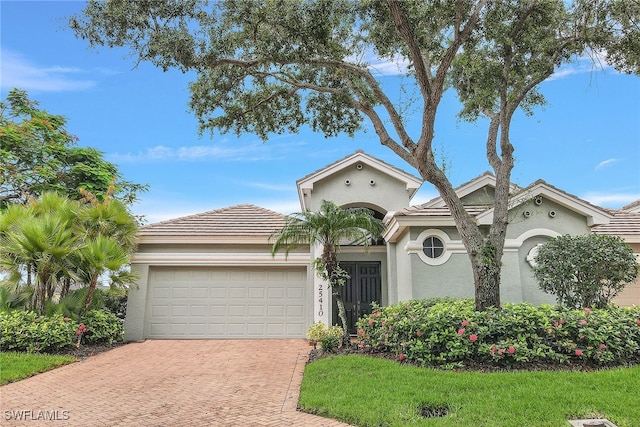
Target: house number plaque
<point x="320" y="310"/>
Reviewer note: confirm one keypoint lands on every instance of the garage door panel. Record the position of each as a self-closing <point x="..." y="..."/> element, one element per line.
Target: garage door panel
<point x="217" y="302"/>
<point x="199" y="292"/>
<point x="295" y="311"/>
<point x="220" y="293"/>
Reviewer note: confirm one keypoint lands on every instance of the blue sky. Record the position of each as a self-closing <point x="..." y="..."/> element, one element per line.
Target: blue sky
<point x="586" y="141"/>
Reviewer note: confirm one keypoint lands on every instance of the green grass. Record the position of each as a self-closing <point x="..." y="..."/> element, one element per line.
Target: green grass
<point x="366" y="391"/>
<point x="16" y="366"/>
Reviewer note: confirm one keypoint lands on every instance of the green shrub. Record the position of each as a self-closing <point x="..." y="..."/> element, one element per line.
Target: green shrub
<point x="27" y="331"/>
<point x="329" y="338"/>
<point x="585" y="271"/>
<point x="115" y="300"/>
<point x="451" y="333"/>
<point x="102" y="326"/>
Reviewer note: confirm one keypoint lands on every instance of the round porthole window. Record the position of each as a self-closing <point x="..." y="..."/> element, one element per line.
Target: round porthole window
<point x="433" y="247"/>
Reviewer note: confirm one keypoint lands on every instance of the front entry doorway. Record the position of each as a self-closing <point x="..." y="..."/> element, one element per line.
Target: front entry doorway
<point x="363" y="288"/>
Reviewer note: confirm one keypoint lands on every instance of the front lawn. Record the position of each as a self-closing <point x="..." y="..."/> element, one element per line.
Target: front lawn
<point x="367" y="391"/>
<point x="16" y="366"/>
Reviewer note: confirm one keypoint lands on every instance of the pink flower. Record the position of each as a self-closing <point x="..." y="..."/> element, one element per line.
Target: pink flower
<point x="473" y="337"/>
<point x="376" y="314"/>
<point x="582" y="322"/>
<point x="361" y="346"/>
<point x="562" y="321"/>
<point x="602" y="346"/>
<point x="465" y="323"/>
<point x="555" y="324"/>
<point x="383" y="323"/>
<point x="371" y="321"/>
<point x="638" y="322"/>
<point x="587" y="310"/>
<point x="581" y="337"/>
<point x="401" y="357"/>
<point x="494" y="348"/>
<point x="461" y="331"/>
<point x="512" y="349"/>
<point x="501" y="351"/>
<point x="360" y="332"/>
<point x="578" y="352"/>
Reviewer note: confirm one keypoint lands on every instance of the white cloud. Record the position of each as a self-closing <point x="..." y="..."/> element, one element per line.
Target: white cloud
<point x="609" y="199"/>
<point x="583" y="64"/>
<point x="220" y="150"/>
<point x="18" y="72"/>
<point x="270" y="187"/>
<point x="605" y="163"/>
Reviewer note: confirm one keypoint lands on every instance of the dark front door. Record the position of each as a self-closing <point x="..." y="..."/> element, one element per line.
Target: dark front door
<point x="363" y="288"/>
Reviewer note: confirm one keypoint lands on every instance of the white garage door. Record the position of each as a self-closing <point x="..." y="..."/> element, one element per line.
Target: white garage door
<point x="226" y="302"/>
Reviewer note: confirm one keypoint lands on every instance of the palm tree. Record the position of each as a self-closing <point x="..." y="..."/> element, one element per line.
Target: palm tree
<point x="330" y="227"/>
<point x="38" y="243"/>
<point x="97" y="257"/>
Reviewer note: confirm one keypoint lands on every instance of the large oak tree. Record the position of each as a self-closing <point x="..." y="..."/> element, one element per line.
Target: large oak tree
<point x="272" y="66"/>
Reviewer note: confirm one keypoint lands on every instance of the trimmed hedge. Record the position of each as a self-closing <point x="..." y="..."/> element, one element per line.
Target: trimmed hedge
<point x="451" y="333"/>
<point x="27" y="331"/>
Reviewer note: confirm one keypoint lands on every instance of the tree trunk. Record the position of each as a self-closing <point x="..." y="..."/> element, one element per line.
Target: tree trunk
<point x="90" y="292"/>
<point x="66" y="285"/>
<point x="486" y="274"/>
<point x="342" y="315"/>
<point x="331" y="266"/>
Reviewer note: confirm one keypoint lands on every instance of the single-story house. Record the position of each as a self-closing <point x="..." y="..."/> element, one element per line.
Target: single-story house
<point x="212" y="275"/>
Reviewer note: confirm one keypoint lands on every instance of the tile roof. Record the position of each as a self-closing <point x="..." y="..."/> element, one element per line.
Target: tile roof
<point x="633" y="206"/>
<point x="421" y="210"/>
<point x="624" y="224"/>
<point x="239" y="220"/>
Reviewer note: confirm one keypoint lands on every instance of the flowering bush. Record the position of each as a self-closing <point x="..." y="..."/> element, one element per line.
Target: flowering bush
<point x="452" y="333"/>
<point x="329" y="338"/>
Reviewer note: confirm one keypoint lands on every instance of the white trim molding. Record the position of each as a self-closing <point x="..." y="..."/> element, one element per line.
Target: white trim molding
<point x="450" y="246"/>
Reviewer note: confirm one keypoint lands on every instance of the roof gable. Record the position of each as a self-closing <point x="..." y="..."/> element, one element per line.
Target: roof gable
<point x="487" y="179"/>
<point x="305" y="185"/>
<point x="594" y="214"/>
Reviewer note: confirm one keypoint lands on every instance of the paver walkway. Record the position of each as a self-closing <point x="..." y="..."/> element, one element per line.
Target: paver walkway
<point x="169" y="383"/>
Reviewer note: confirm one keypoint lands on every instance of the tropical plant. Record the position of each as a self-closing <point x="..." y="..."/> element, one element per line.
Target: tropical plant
<point x="585" y="271"/>
<point x="269" y="67"/>
<point x="53" y="243"/>
<point x="329" y="227"/>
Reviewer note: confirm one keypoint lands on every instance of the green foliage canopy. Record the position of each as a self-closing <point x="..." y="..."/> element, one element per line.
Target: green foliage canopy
<point x="585" y="271"/>
<point x="37" y="155"/>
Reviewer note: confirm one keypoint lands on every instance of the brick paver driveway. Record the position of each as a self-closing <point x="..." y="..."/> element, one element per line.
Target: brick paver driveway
<point x="170" y="383"/>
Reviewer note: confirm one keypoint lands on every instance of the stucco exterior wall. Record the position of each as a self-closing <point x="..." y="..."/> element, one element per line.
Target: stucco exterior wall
<point x="631" y="294"/>
<point x="400" y="281"/>
<point x="136" y="304"/>
<point x="454" y="278"/>
<point x="386" y="193"/>
<point x="562" y="220"/>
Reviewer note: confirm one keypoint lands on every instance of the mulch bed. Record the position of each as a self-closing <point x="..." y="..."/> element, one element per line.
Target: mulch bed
<point x="86" y="351"/>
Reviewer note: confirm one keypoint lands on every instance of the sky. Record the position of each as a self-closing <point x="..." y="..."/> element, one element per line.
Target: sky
<point x="586" y="141"/>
